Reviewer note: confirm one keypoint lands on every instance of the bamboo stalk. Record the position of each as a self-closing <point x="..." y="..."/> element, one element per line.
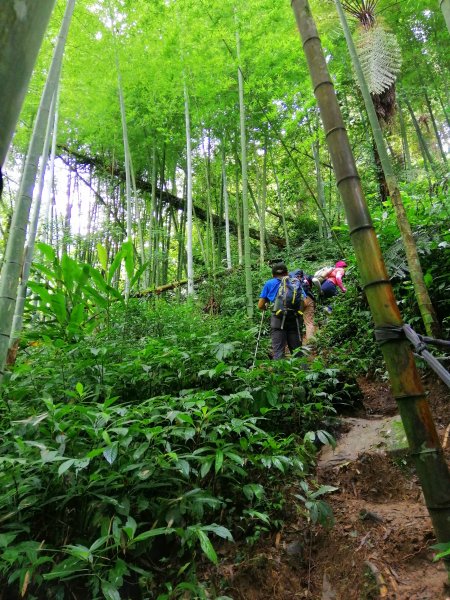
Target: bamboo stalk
<point x="22" y="30"/>
<point x="12" y="266"/>
<point x="407" y="388"/>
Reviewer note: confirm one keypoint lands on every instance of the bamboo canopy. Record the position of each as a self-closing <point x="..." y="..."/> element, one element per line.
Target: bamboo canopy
<point x="408" y="391"/>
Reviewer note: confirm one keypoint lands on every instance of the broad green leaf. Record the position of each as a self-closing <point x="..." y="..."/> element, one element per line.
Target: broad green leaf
<point x="219" y="530"/>
<point x="7" y="538"/>
<point x="64" y="569"/>
<point x="102" y="257"/>
<point x="219" y="460"/>
<point x="130" y="527"/>
<point x="77" y="316"/>
<point x="152" y="533"/>
<point x="110" y="592"/>
<point x="46" y="250"/>
<point x="117" y="261"/>
<point x="128" y="251"/>
<point x="206" y="546"/>
<point x="111" y="452"/>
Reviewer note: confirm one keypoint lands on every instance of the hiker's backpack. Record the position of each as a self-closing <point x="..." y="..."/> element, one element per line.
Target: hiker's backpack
<point x="290" y="298"/>
<point x="323" y="273"/>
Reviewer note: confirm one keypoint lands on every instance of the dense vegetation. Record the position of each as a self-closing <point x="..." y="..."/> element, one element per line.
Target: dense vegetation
<point x="143" y="429"/>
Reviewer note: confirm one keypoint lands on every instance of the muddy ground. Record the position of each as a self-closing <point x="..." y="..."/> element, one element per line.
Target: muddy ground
<point x="380" y="545"/>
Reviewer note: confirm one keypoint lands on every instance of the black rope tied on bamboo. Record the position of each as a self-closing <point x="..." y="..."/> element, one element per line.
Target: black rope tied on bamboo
<point x="420" y="343"/>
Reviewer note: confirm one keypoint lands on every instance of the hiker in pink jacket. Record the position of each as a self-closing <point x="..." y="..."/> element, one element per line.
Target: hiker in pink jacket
<point x="333" y="281"/>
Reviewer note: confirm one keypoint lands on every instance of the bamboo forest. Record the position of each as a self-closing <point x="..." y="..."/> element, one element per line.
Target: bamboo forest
<point x="224" y="299"/>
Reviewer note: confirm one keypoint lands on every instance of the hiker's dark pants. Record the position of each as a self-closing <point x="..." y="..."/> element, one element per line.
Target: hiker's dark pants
<point x="290" y="335"/>
<point x="329" y="289"/>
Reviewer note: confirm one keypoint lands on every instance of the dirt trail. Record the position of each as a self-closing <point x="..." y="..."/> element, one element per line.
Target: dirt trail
<point x="380" y="546"/>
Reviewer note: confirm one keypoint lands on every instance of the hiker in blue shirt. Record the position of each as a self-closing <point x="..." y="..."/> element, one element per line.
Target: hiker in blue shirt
<point x="285" y="329"/>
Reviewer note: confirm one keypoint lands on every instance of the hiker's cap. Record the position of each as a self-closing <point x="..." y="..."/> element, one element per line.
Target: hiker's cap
<point x="279" y="269"/>
<point x="340" y="264"/>
<point x="296" y="273"/>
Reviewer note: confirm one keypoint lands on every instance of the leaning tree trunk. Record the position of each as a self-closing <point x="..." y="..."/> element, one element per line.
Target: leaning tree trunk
<point x="12" y="266"/>
<point x="405" y="380"/>
<point x="445" y="7"/>
<point x="245" y="220"/>
<point x="415" y="269"/>
<point x="22" y="27"/>
<point x="190" y="260"/>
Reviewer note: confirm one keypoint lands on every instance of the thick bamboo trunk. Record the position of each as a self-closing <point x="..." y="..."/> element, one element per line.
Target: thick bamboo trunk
<point x="190" y="260"/>
<point x="126" y="147"/>
<point x="29" y="248"/>
<point x="262" y="212"/>
<point x="238" y="217"/>
<point x="405" y="380"/>
<point x="445" y="7"/>
<point x="12" y="265"/>
<point x="22" y="28"/>
<point x="152" y="217"/>
<point x="226" y="208"/>
<point x="245" y="215"/>
<point x="415" y="269"/>
<point x="210" y="237"/>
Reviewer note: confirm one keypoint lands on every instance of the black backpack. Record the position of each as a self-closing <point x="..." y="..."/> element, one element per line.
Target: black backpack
<point x="290" y="298"/>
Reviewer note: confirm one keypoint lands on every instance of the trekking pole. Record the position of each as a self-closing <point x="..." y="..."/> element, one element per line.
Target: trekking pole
<point x="259" y="337"/>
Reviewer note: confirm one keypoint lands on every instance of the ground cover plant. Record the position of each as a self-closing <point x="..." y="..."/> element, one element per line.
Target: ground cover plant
<point x="166" y="156"/>
<point x="145" y="445"/>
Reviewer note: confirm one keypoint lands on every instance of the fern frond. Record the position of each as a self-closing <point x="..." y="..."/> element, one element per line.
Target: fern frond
<point x="380" y="57"/>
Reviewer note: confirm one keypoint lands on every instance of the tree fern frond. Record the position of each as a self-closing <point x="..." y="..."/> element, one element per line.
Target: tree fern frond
<point x="380" y="57"/>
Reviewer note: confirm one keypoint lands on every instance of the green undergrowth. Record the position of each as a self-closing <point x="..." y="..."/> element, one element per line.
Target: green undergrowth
<point x="131" y="452"/>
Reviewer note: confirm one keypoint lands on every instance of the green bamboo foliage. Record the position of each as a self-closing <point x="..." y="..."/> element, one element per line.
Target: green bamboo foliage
<point x="12" y="266"/>
<point x="22" y="26"/>
<point x="423" y="298"/>
<point x="414" y="409"/>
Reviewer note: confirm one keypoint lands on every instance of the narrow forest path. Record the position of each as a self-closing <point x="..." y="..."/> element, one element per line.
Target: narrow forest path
<point x="380" y="545"/>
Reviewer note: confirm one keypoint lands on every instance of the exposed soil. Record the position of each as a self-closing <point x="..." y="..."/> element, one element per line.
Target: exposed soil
<point x="380" y="545"/>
